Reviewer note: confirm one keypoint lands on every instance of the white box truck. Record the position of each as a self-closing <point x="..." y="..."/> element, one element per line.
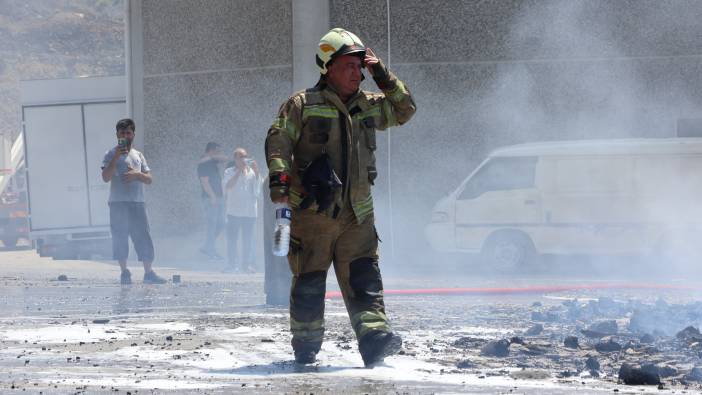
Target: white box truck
<point x="69" y="124"/>
<point x="13" y="195"/>
<point x="610" y="197"/>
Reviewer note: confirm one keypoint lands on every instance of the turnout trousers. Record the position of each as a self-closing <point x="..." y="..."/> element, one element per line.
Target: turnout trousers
<point x="316" y="242"/>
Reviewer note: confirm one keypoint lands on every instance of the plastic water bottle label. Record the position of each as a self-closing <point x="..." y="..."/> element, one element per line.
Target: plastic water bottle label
<point x="283" y="213"/>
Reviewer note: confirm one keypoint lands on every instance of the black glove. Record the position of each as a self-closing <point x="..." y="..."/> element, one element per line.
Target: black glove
<point x="320" y="182"/>
<point x="381" y="76"/>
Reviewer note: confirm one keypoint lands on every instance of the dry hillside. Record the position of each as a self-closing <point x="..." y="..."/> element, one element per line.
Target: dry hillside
<point x="43" y="39"/>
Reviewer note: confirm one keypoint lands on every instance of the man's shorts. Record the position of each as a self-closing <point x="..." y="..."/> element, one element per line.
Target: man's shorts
<point x="128" y="219"/>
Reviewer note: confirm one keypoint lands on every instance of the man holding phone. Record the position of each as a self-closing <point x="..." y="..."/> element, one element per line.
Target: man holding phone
<point x="212" y="198"/>
<point x="126" y="170"/>
<point x="242" y="187"/>
<point x="330" y="130"/>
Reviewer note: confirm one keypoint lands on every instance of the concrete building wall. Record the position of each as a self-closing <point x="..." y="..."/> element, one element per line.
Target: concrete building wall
<point x="484" y="74"/>
<point x="213" y="70"/>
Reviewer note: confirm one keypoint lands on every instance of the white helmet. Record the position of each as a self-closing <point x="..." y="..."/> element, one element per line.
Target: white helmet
<point x="336" y="43"/>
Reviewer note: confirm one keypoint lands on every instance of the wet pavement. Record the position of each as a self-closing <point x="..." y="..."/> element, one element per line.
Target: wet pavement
<point x="213" y="334"/>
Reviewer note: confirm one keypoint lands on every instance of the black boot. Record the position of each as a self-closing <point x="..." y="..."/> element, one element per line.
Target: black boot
<point x="305" y="357"/>
<point x="306" y="352"/>
<point x="375" y="346"/>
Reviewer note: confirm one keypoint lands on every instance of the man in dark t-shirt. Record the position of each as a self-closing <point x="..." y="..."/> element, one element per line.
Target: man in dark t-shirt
<point x="212" y="201"/>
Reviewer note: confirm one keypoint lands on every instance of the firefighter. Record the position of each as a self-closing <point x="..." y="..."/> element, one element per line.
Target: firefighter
<point x="320" y="152"/>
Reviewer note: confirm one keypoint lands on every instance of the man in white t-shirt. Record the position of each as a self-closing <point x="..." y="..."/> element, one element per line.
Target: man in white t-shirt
<point x="242" y="188"/>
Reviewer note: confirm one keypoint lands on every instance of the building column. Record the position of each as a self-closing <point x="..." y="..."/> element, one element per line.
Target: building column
<point x="134" y="64"/>
<point x="310" y="23"/>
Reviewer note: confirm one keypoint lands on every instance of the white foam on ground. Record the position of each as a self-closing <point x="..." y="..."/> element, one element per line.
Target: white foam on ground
<point x="242" y="331"/>
<point x="166" y="326"/>
<point x="205" y="359"/>
<point x="69" y="333"/>
<point x="276" y="358"/>
<point x="272" y="314"/>
<point x="334" y="363"/>
<point x="239" y="354"/>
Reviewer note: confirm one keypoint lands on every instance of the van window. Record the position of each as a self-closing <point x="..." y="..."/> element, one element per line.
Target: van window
<point x="501" y="174"/>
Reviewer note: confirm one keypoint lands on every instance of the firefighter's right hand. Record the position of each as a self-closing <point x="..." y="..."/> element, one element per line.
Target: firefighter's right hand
<point x="282" y="199"/>
<point x="279" y="184"/>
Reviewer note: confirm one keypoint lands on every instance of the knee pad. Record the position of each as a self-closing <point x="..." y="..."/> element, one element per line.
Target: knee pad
<point x="307" y="296"/>
<point x="364" y="278"/>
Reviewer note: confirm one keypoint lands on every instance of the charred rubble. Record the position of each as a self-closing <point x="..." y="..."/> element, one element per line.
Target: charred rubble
<point x="626" y="342"/>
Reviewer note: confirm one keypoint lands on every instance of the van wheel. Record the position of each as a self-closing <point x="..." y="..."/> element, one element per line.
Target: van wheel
<point x="508" y="251"/>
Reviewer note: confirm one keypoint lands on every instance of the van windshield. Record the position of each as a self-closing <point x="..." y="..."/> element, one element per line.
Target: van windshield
<point x="501" y="174"/>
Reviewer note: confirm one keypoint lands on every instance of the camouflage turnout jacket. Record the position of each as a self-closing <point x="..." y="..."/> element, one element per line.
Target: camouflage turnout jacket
<point x="316" y="121"/>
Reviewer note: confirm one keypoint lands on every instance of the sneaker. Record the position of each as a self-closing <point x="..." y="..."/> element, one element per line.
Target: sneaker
<point x="152" y="278"/>
<point x="125" y="278"/>
<point x="216" y="257"/>
<point x="305" y="357"/>
<point x="375" y="346"/>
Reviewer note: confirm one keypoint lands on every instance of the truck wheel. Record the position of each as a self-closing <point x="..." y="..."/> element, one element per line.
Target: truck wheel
<point x="65" y="252"/>
<point x="507" y="251"/>
<point x="10" y="242"/>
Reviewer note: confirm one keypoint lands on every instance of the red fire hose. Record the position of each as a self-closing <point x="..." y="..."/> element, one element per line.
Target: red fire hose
<point x="521" y="290"/>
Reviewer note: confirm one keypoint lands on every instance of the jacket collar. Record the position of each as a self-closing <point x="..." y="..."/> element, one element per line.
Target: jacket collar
<point x="330" y="95"/>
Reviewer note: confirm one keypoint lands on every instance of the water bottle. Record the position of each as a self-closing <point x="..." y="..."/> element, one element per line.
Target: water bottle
<point x="281" y="235"/>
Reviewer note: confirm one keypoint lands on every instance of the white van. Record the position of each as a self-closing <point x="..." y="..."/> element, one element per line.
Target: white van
<point x="609" y="197"/>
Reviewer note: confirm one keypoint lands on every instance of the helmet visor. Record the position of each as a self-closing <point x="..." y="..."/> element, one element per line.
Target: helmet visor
<point x="351" y="50"/>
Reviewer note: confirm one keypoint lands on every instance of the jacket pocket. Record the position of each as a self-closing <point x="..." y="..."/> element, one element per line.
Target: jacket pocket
<point x="317" y="130"/>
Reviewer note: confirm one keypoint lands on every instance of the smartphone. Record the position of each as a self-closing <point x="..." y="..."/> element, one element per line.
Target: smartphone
<point x="122" y="143"/>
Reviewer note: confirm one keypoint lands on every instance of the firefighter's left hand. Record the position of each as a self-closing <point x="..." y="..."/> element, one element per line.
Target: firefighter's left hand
<point x="131" y="175"/>
<point x="370" y="60"/>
